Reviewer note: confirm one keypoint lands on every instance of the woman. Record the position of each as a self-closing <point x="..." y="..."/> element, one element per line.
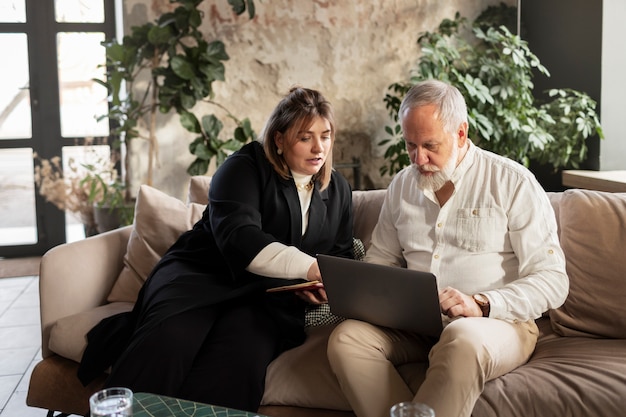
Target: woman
<point x="204" y="328"/>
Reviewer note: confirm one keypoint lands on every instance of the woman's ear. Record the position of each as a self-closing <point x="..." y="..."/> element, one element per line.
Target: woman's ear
<point x="279" y="141"/>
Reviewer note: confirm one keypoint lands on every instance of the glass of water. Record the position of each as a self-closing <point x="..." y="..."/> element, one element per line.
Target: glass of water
<point x="411" y="409"/>
<point x="111" y="402"/>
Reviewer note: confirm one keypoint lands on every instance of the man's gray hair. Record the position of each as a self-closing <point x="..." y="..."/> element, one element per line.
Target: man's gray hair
<point x="452" y="110"/>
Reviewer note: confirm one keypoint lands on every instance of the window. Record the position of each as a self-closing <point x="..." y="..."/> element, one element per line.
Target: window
<point x="48" y="108"/>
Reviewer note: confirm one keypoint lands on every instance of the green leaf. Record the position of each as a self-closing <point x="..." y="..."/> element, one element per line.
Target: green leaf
<point x="182" y="67"/>
<point x="198" y="167"/>
<point x="231" y="145"/>
<point x="187" y="101"/>
<point x="202" y="151"/>
<point x="214" y="72"/>
<point x="239" y="6"/>
<point x="251" y="9"/>
<point x="240" y="135"/>
<point x="159" y="35"/>
<point x="217" y="51"/>
<point x="195" y="18"/>
<point x="211" y="126"/>
<point x="190" y="122"/>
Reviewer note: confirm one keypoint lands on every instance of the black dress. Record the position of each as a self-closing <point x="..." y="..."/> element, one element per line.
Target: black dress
<point x="203" y="328"/>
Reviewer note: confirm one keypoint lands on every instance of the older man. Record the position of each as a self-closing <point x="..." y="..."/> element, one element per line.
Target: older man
<point x="485" y="227"/>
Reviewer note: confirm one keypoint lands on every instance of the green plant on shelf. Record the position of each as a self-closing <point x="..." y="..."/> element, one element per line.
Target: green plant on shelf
<point x="493" y="69"/>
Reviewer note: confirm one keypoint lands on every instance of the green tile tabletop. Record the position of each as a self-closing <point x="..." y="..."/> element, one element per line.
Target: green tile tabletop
<point x="151" y="405"/>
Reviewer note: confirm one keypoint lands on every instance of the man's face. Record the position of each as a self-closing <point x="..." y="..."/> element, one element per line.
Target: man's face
<point x="433" y="151"/>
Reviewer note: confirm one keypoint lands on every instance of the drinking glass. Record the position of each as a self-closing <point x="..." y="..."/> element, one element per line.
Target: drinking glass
<point x="111" y="402"/>
<point x="411" y="409"/>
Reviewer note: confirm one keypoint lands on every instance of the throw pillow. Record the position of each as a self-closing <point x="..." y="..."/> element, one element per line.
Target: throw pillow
<point x="159" y="220"/>
<point x="320" y="315"/>
<point x="302" y="376"/>
<point x="592" y="225"/>
<point x="199" y="189"/>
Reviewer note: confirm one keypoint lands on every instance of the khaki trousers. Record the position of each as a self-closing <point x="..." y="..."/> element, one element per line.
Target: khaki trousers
<point x="470" y="352"/>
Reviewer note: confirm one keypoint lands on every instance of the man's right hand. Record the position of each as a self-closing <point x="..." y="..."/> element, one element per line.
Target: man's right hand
<point x="454" y="303"/>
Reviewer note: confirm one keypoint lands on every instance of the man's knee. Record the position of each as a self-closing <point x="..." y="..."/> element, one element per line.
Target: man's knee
<point x="348" y="338"/>
<point x="461" y="341"/>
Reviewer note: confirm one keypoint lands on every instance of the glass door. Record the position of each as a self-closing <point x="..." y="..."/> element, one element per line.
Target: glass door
<point x="48" y="109"/>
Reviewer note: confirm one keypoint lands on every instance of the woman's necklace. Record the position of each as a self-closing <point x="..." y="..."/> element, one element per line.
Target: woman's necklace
<point x="305" y="187"/>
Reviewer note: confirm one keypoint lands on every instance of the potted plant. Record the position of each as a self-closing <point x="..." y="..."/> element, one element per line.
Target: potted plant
<point x="107" y="193"/>
<point x="493" y="69"/>
<point x="84" y="188"/>
<point x="176" y="68"/>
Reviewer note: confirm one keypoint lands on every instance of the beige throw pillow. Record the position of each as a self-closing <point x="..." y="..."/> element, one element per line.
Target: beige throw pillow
<point x="302" y="376"/>
<point x="199" y="189"/>
<point x="159" y="220"/>
<point x="593" y="237"/>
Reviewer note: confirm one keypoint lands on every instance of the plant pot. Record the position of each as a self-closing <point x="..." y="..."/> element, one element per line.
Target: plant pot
<point x="90" y="230"/>
<point x="110" y="218"/>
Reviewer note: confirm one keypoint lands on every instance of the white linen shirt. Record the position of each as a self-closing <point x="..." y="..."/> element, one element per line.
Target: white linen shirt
<point x="496" y="235"/>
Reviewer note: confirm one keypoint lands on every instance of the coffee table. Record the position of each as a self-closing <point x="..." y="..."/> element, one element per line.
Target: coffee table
<point x="152" y="405"/>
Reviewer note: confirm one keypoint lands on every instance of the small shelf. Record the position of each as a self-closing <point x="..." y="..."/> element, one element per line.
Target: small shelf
<point x="611" y="181"/>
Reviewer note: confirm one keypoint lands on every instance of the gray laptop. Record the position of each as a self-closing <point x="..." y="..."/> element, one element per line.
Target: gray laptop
<point x="383" y="295"/>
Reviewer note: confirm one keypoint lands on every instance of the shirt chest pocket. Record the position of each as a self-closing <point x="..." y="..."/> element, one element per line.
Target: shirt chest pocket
<point x="481" y="229"/>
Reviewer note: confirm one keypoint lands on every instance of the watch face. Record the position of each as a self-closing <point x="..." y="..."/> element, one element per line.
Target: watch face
<point x="481" y="299"/>
<point x="483" y="303"/>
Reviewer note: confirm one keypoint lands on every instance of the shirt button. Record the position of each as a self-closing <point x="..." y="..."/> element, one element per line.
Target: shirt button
<point x="550" y="251"/>
<point x="436" y="256"/>
<point x="439" y="224"/>
<point x="475" y="212"/>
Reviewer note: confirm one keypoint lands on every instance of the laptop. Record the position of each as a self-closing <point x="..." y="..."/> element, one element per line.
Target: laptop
<point x="388" y="296"/>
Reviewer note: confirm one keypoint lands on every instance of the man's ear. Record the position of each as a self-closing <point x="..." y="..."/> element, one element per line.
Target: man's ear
<point x="462" y="134"/>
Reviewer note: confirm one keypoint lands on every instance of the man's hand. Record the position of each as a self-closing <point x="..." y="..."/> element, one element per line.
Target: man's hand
<point x="454" y="303"/>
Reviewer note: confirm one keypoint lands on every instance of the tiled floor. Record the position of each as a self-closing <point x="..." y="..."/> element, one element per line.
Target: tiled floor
<point x="20" y="344"/>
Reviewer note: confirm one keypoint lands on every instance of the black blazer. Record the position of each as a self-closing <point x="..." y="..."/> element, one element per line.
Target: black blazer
<point x="250" y="206"/>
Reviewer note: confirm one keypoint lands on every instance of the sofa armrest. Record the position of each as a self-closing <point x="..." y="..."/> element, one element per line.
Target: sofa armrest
<point x="78" y="276"/>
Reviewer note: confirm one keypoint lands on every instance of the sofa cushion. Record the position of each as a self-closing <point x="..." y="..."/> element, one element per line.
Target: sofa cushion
<point x="555" y="201"/>
<point x="302" y="376"/>
<point x="199" y="189"/>
<point x="366" y="207"/>
<point x="593" y="237"/>
<point x="565" y="376"/>
<point x="159" y="220"/>
<point x="68" y="336"/>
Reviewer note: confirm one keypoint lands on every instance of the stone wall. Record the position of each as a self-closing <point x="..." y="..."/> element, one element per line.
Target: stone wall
<point x="351" y="50"/>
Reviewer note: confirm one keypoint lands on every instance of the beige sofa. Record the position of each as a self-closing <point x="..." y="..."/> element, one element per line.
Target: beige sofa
<point x="578" y="368"/>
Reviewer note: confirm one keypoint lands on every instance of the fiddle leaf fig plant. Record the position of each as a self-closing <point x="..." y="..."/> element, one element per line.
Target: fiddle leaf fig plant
<point x="493" y="69"/>
<point x="163" y="66"/>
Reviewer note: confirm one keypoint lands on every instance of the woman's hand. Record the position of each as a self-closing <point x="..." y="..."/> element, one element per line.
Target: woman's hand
<point x="314" y="273"/>
<point x="315" y="297"/>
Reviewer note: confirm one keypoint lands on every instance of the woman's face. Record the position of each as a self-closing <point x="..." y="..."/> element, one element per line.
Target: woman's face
<point x="307" y="153"/>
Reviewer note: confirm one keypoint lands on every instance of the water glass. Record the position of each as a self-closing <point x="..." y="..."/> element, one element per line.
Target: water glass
<point x="111" y="402"/>
<point x="411" y="409"/>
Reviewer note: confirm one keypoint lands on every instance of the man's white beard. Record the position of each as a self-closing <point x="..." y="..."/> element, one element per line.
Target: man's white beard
<point x="440" y="177"/>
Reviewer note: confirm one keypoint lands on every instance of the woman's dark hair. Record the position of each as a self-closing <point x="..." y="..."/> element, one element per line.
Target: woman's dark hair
<point x="296" y="113"/>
